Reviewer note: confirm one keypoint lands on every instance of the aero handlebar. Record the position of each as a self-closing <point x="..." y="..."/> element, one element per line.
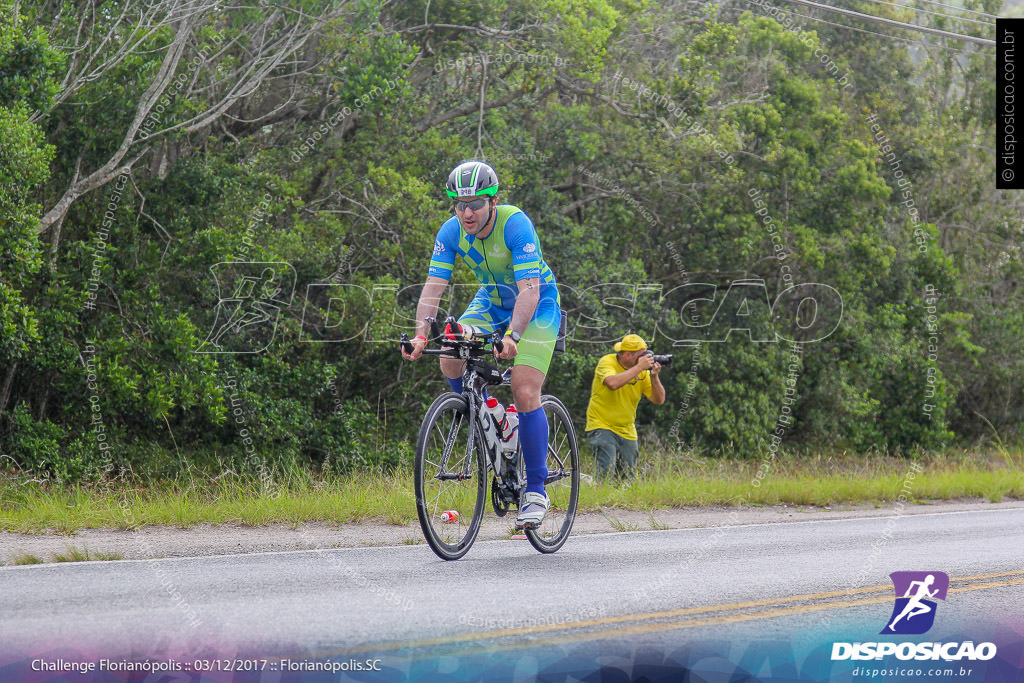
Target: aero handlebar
<point x="450" y="346"/>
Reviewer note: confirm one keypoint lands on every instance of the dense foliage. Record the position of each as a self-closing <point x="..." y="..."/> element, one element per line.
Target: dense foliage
<point x="693" y="168"/>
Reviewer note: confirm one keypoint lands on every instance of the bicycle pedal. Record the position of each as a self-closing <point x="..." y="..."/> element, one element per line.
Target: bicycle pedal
<point x="528" y="525"/>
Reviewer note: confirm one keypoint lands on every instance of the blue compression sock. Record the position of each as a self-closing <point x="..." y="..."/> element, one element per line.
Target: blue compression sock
<point x="533" y="435"/>
<point x="456" y="385"/>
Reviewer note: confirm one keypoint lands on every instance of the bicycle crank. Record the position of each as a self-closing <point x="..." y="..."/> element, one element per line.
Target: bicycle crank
<point x="499" y="500"/>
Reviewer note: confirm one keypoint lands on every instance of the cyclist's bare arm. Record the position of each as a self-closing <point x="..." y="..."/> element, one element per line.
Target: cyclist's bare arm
<point x="430" y="297"/>
<point x="433" y="289"/>
<point x="526" y="304"/>
<point x="522" y="313"/>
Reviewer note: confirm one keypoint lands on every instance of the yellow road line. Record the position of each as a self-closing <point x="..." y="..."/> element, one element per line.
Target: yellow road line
<point x="690" y="623"/>
<point x="991" y="584"/>
<point x="735" y="618"/>
<point x="528" y="630"/>
<point x="716" y="621"/>
<point x="989" y="576"/>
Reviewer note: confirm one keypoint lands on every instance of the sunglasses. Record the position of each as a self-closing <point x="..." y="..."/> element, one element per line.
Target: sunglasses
<point x="474" y="205"/>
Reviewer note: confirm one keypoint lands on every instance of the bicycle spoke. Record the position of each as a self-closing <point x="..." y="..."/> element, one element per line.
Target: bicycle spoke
<point x="448" y="442"/>
<point x="447" y="479"/>
<point x="554" y="453"/>
<point x="562" y="481"/>
<point x="563" y="443"/>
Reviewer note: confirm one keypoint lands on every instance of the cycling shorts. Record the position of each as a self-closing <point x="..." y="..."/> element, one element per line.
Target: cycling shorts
<point x="538" y="342"/>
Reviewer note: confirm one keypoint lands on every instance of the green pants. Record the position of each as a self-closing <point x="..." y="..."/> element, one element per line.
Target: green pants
<point x="613" y="453"/>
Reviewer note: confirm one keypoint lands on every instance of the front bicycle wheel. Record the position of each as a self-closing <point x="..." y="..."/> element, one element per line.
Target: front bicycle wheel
<point x="563" y="481"/>
<point x="450" y="478"/>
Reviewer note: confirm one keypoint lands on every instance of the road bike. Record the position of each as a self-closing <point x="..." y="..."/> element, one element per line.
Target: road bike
<point x="459" y="452"/>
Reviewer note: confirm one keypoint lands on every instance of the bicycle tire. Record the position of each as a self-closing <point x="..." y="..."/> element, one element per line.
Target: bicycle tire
<point x="564" y="463"/>
<point x="446" y="425"/>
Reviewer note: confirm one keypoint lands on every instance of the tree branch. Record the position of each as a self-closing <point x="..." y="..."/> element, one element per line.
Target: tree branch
<point x="113" y="167"/>
<point x="479" y="29"/>
<point x="466" y="109"/>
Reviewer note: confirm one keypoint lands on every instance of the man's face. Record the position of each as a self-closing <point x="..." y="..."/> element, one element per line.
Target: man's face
<point x="629" y="358"/>
<point x="473" y="220"/>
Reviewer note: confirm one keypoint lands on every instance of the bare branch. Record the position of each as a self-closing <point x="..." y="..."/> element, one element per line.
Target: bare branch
<point x="96" y="66"/>
<point x="272" y="43"/>
<point x="113" y="167"/>
<point x="465" y="109"/>
<point x="480" y="119"/>
<point x="587" y="200"/>
<point x="573" y="88"/>
<point x="479" y="29"/>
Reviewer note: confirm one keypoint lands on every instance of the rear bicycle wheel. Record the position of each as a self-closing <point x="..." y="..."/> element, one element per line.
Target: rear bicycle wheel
<point x="450" y="477"/>
<point x="563" y="481"/>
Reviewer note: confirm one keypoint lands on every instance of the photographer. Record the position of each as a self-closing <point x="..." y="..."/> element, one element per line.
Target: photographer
<point x="619" y="380"/>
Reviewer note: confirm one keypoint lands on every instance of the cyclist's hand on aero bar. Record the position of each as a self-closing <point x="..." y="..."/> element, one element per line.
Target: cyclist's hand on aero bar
<point x="509" y="349"/>
<point x="418" y="344"/>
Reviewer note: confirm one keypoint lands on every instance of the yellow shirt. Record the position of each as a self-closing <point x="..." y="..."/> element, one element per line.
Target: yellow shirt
<point x="616" y="410"/>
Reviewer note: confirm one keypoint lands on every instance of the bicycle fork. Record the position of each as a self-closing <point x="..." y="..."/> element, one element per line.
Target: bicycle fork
<point x="450" y="444"/>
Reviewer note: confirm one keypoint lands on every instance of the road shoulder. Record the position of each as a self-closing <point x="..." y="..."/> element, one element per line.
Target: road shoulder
<point x="201" y="540"/>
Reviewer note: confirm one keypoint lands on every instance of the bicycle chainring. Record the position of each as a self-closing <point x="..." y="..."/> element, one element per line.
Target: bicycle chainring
<point x="498" y="501"/>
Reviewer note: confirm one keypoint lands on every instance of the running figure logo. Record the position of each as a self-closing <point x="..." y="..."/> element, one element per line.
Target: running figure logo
<point x="914" y="612"/>
<point x="251" y="296"/>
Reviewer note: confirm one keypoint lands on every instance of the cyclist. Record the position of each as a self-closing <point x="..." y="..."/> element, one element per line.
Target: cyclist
<point x="518" y="296"/>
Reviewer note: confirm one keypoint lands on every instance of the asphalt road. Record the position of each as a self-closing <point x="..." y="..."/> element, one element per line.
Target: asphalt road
<point x="765" y="594"/>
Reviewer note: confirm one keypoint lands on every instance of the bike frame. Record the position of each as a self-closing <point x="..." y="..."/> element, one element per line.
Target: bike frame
<point x="472" y="379"/>
<point x="485" y="443"/>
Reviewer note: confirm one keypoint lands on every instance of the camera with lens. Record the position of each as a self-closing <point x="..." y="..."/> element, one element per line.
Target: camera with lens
<point x="665" y="359"/>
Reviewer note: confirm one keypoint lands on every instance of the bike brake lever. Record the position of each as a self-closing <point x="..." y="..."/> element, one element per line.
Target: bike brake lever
<point x="450" y="325"/>
<point x="496" y="342"/>
<point x="435" y="331"/>
<point x="406" y="344"/>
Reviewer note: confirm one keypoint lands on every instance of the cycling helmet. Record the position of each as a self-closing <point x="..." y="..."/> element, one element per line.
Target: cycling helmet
<point x="471" y="178"/>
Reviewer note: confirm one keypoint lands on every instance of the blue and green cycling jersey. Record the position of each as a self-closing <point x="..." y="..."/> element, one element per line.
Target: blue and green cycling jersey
<point x="510" y="253"/>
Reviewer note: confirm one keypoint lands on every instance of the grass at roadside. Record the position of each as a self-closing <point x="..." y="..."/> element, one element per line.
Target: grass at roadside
<point x="26" y="558"/>
<point x="299" y="496"/>
<point x="74" y="554"/>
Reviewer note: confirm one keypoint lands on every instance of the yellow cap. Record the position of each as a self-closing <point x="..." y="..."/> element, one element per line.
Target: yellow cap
<point x="631" y="342"/>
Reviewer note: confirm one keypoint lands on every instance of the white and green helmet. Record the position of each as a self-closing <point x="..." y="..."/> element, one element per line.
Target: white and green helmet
<point x="472" y="178"/>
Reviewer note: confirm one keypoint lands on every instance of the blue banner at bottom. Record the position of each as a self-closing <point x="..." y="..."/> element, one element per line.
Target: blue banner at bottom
<point x="849" y="657"/>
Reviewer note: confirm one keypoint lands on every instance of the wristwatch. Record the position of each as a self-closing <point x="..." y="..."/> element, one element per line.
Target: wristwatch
<point x="516" y="337"/>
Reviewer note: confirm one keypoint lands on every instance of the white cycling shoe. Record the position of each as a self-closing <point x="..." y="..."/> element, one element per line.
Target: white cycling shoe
<point x="532" y="511"/>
